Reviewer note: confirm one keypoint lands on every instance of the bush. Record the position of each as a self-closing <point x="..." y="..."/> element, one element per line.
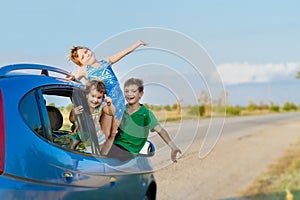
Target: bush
<point x="197" y="110"/>
<point x="233" y="110"/>
<point x="274" y="108"/>
<point x="288" y="106"/>
<point x="167" y="108"/>
<point x="251" y="106"/>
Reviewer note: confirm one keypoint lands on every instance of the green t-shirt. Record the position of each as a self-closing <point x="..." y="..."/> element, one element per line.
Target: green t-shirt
<point x="134" y="129"/>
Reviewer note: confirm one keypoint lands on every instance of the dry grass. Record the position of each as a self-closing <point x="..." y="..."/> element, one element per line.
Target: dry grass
<point x="283" y="175"/>
<point x="173" y="116"/>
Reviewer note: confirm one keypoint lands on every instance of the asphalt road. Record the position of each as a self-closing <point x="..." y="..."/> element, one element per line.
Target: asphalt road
<point x="206" y="133"/>
<point x="232" y="151"/>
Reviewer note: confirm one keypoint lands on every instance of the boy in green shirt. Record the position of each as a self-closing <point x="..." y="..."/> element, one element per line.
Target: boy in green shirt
<point x="135" y="125"/>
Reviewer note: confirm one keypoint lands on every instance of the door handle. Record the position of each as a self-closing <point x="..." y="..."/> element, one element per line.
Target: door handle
<point x="67" y="175"/>
<point x="112" y="181"/>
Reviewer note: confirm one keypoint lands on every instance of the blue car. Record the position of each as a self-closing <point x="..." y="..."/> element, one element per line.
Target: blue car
<point x="36" y="158"/>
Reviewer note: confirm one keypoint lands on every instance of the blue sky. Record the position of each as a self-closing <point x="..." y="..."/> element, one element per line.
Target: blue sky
<point x="254" y="44"/>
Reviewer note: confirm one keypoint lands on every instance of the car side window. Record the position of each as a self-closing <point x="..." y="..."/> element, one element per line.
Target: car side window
<point x="47" y="112"/>
<point x="73" y="132"/>
<point x="30" y="112"/>
<point x="62" y="127"/>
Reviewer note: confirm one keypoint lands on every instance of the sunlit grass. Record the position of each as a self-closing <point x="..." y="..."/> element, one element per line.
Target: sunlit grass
<point x="283" y="175"/>
<point x="173" y="116"/>
<point x="66" y="123"/>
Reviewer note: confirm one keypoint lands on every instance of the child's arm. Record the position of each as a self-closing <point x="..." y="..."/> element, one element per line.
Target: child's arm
<point x="107" y="146"/>
<point x="118" y="56"/>
<point x="78" y="75"/>
<point x="110" y="108"/>
<point x="166" y="138"/>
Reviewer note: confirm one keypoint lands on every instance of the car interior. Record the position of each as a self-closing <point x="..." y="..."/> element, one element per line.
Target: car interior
<point x="55" y="117"/>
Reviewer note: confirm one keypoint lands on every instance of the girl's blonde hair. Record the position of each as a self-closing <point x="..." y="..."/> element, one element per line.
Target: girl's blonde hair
<point x="73" y="55"/>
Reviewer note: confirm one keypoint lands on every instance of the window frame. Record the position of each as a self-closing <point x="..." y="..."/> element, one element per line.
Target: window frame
<point x="35" y="94"/>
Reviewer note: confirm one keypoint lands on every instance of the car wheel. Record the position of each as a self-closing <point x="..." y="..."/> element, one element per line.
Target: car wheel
<point x="149" y="195"/>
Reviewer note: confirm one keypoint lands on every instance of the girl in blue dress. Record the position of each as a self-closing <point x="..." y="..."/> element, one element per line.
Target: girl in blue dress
<point x="91" y="68"/>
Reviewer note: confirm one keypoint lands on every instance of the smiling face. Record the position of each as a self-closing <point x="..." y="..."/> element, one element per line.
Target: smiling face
<point x="86" y="56"/>
<point x="132" y="94"/>
<point x="94" y="98"/>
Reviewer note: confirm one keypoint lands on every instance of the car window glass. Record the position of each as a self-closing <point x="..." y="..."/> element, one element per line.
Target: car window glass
<point x="29" y="111"/>
<point x="63" y="106"/>
<point x="86" y="126"/>
<point x="59" y="108"/>
<point x="67" y="129"/>
<point x="56" y="105"/>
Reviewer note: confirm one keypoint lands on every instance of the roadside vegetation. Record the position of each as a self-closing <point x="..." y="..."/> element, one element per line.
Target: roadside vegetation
<point x="279" y="179"/>
<point x="205" y="110"/>
<point x="207" y="107"/>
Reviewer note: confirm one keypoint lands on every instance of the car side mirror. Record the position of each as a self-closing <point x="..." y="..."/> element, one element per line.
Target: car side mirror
<point x="148" y="149"/>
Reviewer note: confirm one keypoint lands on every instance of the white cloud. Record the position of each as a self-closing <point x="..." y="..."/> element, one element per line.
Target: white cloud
<point x="237" y="73"/>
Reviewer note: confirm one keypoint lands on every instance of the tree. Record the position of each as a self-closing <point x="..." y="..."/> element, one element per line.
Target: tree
<point x="274" y="107"/>
<point x="288" y="106"/>
<point x="298" y="75"/>
<point x="167" y="107"/>
<point x="178" y="105"/>
<point x="262" y="105"/>
<point x="69" y="107"/>
<point x="51" y="104"/>
<point x="251" y="106"/>
<point x="204" y="99"/>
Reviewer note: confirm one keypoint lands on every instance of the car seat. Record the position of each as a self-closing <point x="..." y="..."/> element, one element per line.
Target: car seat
<point x="55" y="117"/>
<point x="61" y="138"/>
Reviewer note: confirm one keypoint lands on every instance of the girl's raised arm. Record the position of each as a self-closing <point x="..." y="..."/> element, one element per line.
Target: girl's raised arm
<point x="118" y="56"/>
<point x="110" y="108"/>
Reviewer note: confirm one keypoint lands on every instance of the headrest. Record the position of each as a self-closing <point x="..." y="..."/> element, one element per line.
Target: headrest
<point x="56" y="118"/>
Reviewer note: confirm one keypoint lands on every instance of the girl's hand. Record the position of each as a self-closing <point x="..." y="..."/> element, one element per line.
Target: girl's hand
<point x="142" y="43"/>
<point x="108" y="100"/>
<point x="109" y="109"/>
<point x="70" y="77"/>
<point x="77" y="110"/>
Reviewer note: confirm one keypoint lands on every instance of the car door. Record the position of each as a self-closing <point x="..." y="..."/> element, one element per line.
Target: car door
<point x="32" y="138"/>
<point x="87" y="171"/>
<point x="79" y="170"/>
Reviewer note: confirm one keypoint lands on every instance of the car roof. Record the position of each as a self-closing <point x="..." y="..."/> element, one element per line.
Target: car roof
<point x="44" y="69"/>
<point x="34" y="75"/>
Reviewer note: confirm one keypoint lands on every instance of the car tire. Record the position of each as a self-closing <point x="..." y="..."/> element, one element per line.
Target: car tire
<point x="149" y="195"/>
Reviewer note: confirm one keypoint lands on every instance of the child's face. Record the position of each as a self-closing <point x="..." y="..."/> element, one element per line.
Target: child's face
<point x="94" y="97"/>
<point x="86" y="56"/>
<point x="132" y="94"/>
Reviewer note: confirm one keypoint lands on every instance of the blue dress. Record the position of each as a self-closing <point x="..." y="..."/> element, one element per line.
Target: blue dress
<point x="113" y="90"/>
